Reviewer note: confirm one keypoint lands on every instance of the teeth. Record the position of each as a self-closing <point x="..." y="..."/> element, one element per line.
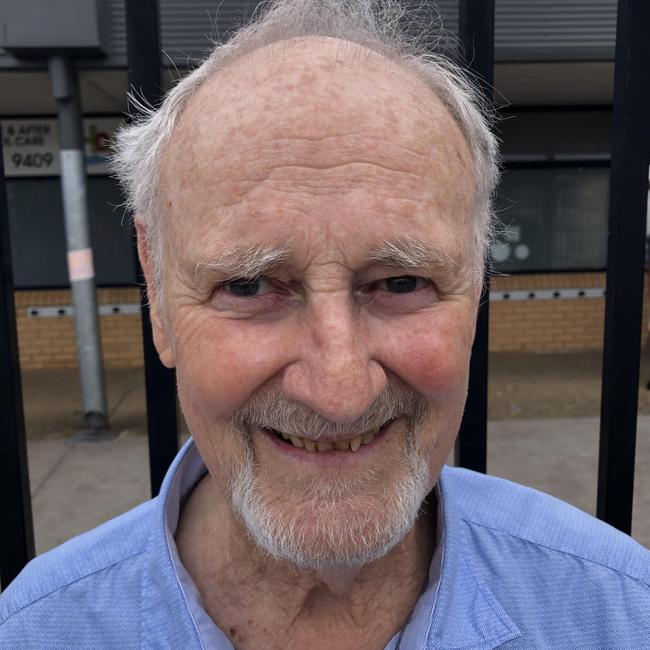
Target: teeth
<point x="367" y="438"/>
<point x="352" y="444"/>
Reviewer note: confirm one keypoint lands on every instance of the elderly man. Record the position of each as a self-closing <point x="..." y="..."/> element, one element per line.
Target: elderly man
<point x="313" y="212"/>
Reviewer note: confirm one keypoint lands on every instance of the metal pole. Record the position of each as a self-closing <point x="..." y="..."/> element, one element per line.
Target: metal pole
<point x="476" y="31"/>
<point x="625" y="261"/>
<point x="80" y="255"/>
<point x="143" y="46"/>
<point x="17" y="538"/>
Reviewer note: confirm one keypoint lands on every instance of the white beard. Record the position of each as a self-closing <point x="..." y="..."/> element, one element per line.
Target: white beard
<point x="336" y="524"/>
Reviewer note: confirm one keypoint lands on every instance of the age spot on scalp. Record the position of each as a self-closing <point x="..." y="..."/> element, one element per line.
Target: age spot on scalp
<point x="461" y="158"/>
<point x="307" y="77"/>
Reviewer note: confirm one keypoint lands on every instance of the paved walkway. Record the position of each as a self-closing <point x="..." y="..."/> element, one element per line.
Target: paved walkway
<point x="78" y="485"/>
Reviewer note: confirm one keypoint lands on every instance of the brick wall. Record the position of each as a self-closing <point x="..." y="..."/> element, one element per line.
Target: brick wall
<point x="547" y="325"/>
<point x="531" y="325"/>
<point x="50" y="342"/>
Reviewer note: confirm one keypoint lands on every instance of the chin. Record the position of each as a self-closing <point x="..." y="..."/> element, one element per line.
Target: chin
<point x="334" y="525"/>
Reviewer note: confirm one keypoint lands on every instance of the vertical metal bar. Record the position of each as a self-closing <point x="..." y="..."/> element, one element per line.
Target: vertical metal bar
<point x="143" y="47"/>
<point x="65" y="89"/>
<point x="625" y="261"/>
<point x="476" y="32"/>
<point x="17" y="536"/>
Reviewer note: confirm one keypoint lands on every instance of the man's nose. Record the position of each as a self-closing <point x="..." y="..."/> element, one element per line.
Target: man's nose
<point x="335" y="373"/>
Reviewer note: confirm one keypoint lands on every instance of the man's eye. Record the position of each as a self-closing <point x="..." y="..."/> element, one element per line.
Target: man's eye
<point x="247" y="288"/>
<point x="403" y="284"/>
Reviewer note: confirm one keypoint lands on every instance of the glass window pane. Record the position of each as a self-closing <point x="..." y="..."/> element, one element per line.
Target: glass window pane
<point x="553" y="218"/>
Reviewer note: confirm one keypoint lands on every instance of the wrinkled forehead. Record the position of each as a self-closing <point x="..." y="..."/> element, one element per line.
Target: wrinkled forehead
<point x="318" y="115"/>
<point x="313" y="89"/>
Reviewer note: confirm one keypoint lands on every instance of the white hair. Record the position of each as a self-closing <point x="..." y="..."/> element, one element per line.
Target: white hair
<point x="384" y="26"/>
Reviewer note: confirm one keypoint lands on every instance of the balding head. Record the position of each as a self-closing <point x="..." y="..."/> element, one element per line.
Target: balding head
<point x="323" y="116"/>
<point x="359" y="26"/>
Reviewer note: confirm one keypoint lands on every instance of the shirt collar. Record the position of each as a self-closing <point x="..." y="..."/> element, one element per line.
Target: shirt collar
<point x="467" y="614"/>
<point x="166" y="585"/>
<point x="455" y="611"/>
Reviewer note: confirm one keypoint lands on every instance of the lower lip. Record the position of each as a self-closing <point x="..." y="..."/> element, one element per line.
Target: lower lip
<point x="335" y="457"/>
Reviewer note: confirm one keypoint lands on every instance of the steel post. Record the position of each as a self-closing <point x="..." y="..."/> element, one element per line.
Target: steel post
<point x="143" y="47"/>
<point x="80" y="255"/>
<point x="476" y="31"/>
<point x="625" y="262"/>
<point x="17" y="538"/>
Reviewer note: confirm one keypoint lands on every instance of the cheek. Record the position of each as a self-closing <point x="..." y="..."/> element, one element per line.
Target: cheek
<point x="431" y="352"/>
<point x="432" y="356"/>
<point x="222" y="363"/>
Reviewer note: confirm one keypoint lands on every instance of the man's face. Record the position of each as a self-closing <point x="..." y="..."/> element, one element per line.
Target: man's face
<point x="315" y="283"/>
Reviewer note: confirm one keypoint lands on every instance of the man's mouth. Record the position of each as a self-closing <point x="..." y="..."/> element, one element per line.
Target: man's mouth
<point x="342" y="444"/>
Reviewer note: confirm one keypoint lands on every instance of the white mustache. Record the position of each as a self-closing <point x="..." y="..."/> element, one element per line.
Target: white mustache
<point x="269" y="408"/>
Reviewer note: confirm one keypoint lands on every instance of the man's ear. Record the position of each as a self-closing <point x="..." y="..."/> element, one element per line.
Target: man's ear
<point x="160" y="336"/>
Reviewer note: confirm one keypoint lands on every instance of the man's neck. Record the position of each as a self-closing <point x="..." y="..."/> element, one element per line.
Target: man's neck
<point x="259" y="601"/>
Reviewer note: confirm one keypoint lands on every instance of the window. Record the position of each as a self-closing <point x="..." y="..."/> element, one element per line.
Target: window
<point x="554" y="218"/>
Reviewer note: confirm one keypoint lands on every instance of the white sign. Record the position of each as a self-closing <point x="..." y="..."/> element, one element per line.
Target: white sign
<point x="31" y="146"/>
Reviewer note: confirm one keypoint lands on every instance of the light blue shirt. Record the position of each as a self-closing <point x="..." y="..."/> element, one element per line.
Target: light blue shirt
<point x="518" y="570"/>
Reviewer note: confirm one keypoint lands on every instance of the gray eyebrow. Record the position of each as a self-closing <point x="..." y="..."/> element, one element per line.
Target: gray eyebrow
<point x="409" y="254"/>
<point x="246" y="263"/>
